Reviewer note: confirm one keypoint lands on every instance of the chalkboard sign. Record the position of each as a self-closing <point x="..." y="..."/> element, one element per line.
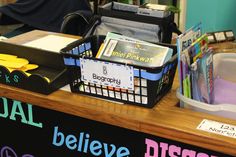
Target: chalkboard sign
<point x="32" y="131"/>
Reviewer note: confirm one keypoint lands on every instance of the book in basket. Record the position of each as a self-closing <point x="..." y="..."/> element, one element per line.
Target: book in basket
<point x="135" y="53"/>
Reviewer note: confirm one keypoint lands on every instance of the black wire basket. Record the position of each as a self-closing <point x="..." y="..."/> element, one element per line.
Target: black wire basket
<point x="150" y="84"/>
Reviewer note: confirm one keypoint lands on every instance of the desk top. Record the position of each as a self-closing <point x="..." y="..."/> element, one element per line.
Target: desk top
<point x="33" y="35"/>
<point x="165" y="120"/>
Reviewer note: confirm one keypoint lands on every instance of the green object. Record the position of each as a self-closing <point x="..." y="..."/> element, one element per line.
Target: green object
<point x="173" y="9"/>
<point x="126" y="1"/>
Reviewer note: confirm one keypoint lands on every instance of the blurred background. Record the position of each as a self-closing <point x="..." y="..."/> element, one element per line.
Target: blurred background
<point x="215" y="15"/>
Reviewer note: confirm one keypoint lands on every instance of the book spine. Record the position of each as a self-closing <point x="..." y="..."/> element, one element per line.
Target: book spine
<point x="210" y="79"/>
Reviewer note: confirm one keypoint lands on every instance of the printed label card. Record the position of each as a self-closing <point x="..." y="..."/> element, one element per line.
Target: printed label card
<point x="107" y="74"/>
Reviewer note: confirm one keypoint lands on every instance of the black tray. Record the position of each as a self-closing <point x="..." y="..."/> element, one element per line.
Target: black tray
<point x="51" y="66"/>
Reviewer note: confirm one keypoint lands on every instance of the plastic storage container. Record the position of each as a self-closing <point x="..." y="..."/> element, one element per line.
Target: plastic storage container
<point x="147" y="92"/>
<point x="148" y="28"/>
<point x="224" y="65"/>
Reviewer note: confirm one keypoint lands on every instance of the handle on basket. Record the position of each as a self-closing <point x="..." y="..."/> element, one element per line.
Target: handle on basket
<point x="174" y="28"/>
<point x="76" y="23"/>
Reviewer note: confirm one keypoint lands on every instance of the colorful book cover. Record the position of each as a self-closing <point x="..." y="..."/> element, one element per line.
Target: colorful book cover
<point x="184" y="42"/>
<point x="135" y="53"/>
<point x="198" y="48"/>
<point x="202" y="78"/>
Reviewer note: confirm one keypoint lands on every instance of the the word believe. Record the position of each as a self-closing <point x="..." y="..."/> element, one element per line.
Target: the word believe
<point x="84" y="144"/>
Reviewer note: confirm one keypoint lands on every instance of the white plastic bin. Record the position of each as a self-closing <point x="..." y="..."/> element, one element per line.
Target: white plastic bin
<point x="224" y="110"/>
<point x="224" y="67"/>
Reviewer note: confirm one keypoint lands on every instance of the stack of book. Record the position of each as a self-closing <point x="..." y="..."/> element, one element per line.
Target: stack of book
<point x="138" y="2"/>
<point x="140" y="54"/>
<point x="128" y="50"/>
<point x="195" y="65"/>
<point x="155" y="10"/>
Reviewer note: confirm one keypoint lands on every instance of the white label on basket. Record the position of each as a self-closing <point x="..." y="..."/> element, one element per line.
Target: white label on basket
<point x="218" y="128"/>
<point x="107" y="74"/>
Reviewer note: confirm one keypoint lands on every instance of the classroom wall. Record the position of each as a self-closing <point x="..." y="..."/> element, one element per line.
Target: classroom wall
<point x="215" y="15"/>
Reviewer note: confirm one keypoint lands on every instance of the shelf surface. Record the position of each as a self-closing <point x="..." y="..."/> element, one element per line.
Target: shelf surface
<point x="165" y="120"/>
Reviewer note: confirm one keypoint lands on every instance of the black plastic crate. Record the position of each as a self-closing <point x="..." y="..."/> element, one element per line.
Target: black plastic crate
<point x="151" y="84"/>
<point x="129" y="12"/>
<point x="47" y="78"/>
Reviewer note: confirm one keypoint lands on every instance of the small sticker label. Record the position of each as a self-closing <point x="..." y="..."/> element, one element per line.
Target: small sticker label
<point x="110" y="47"/>
<point x="220" y="36"/>
<point x="229" y="34"/>
<point x="107" y="74"/>
<point x="218" y="128"/>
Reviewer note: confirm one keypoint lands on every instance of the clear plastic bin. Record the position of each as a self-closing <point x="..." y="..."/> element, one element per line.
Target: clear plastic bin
<point x="224" y="65"/>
